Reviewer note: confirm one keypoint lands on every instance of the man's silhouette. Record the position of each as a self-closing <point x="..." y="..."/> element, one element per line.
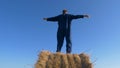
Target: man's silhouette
<point x="64" y="28"/>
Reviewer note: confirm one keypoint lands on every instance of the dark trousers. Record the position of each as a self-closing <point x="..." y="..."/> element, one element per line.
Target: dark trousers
<point x="61" y="34"/>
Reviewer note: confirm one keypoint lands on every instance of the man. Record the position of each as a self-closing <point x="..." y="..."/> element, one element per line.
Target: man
<point x="64" y="28"/>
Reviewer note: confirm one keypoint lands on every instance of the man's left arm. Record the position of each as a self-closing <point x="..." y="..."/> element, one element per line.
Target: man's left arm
<point x="79" y="16"/>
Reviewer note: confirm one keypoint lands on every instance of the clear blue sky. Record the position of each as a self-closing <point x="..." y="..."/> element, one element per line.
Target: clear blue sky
<point x="23" y="32"/>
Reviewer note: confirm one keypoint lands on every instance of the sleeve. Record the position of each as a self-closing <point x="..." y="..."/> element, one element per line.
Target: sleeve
<point x="53" y="18"/>
<point x="77" y="16"/>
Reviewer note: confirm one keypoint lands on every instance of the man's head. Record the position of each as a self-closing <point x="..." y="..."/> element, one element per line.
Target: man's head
<point x="65" y="11"/>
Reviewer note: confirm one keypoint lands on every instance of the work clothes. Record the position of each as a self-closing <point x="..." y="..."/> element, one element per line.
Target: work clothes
<point x="64" y="30"/>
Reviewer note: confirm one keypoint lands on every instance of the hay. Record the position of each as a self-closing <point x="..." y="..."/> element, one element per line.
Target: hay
<point x="59" y="60"/>
<point x="85" y="62"/>
<point x="43" y="57"/>
<point x="64" y="61"/>
<point x="77" y="61"/>
<point x="71" y="61"/>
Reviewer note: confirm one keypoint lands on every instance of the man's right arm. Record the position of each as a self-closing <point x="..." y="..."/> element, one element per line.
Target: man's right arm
<point x="51" y="18"/>
<point x="44" y="18"/>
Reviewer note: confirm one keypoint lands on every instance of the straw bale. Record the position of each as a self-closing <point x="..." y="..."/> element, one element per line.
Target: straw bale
<point x="77" y="60"/>
<point x="59" y="60"/>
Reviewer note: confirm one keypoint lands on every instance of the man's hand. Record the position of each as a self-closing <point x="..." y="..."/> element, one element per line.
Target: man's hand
<point x="44" y="18"/>
<point x="87" y="16"/>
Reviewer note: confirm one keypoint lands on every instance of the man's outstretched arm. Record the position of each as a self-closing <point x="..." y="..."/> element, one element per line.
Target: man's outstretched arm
<point x="87" y="16"/>
<point x="79" y="16"/>
<point x="51" y="18"/>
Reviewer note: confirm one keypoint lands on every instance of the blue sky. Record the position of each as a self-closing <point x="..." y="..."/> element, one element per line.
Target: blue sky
<point x="24" y="33"/>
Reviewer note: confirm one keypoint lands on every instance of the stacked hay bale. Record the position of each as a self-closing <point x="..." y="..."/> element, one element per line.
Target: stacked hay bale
<point x="59" y="60"/>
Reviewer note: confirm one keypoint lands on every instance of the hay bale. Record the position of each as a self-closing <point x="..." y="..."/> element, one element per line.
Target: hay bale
<point x="43" y="57"/>
<point x="71" y="61"/>
<point x="85" y="61"/>
<point x="77" y="61"/>
<point x="49" y="63"/>
<point x="59" y="60"/>
<point x="64" y="61"/>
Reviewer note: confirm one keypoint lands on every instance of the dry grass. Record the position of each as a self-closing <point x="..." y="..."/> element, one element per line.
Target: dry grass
<point x="59" y="60"/>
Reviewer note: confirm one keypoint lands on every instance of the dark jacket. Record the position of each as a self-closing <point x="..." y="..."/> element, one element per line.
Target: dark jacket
<point x="64" y="20"/>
